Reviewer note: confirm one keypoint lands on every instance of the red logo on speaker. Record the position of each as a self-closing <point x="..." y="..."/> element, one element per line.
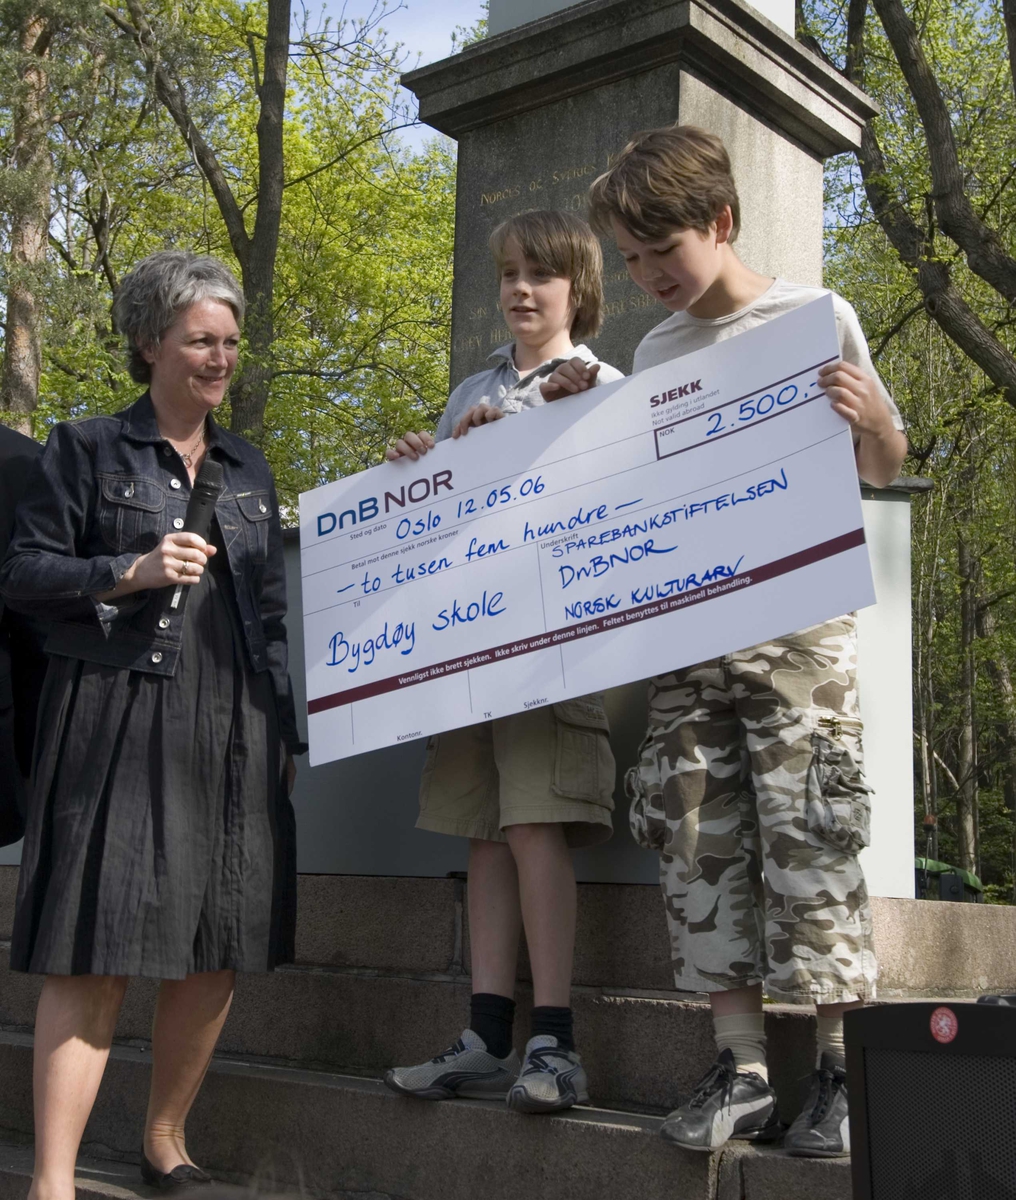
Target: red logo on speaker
<point x="944" y="1025"/>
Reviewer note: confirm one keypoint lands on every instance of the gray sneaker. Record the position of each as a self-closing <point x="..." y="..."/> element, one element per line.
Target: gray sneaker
<point x="551" y="1078"/>
<point x="465" y="1069"/>
<point x="822" y="1130"/>
<point x="726" y="1103"/>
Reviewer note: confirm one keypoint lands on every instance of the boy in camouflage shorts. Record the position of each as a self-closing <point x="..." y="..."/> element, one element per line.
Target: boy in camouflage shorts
<point x="750" y="782"/>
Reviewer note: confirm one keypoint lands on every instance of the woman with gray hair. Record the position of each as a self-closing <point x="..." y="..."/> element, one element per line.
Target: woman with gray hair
<point x="160" y="835"/>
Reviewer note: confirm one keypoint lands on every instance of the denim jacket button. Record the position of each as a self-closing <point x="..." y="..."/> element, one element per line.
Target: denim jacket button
<point x="174" y="483"/>
<point x="164" y="622"/>
<point x="178" y="523"/>
<point x="261" y="506"/>
<point x="157" y="657"/>
<point x="167" y="450"/>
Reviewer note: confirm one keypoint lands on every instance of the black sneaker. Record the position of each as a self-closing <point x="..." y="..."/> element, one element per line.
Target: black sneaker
<point x="822" y="1130"/>
<point x="726" y="1103"/>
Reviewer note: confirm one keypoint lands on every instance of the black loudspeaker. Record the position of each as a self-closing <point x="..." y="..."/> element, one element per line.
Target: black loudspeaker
<point x="932" y="1091"/>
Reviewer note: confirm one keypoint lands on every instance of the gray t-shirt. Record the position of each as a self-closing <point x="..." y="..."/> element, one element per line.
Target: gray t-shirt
<point x="682" y="333"/>
<point x="501" y="386"/>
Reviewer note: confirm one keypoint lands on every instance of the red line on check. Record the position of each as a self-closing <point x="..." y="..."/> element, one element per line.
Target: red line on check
<point x="584" y="629"/>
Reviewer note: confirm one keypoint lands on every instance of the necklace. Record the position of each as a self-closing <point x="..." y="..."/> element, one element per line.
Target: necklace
<point x="188" y="455"/>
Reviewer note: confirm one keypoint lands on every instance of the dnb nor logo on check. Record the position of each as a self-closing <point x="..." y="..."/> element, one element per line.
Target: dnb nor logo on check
<point x="367" y="509"/>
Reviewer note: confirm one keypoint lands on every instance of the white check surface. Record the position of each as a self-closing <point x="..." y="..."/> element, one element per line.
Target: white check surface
<point x="697" y="508"/>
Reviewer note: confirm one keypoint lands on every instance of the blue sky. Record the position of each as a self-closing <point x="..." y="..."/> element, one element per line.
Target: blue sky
<point x="424" y="27"/>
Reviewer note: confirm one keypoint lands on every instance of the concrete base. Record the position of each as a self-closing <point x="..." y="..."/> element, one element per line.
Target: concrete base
<point x="383" y="980"/>
<point x="645" y="1045"/>
<point x="642" y="1052"/>
<point x="420" y="926"/>
<point x="116" y="1179"/>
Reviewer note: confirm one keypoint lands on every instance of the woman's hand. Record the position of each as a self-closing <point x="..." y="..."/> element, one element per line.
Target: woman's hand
<point x="178" y="558"/>
<point x="410" y="445"/>
<point x="479" y="414"/>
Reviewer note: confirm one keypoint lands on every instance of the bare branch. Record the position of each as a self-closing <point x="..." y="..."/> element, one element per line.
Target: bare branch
<point x="171" y="94"/>
<point x="942" y="298"/>
<point x="254" y="64"/>
<point x="63" y="252"/>
<point x="988" y="602"/>
<point x="948" y="774"/>
<point x="346" y="152"/>
<point x="886" y="337"/>
<point x="80" y="376"/>
<point x="956" y="216"/>
<point x="853" y="68"/>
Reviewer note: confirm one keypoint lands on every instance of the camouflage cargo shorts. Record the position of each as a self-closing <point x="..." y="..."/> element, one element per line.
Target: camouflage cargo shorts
<point x="750" y="787"/>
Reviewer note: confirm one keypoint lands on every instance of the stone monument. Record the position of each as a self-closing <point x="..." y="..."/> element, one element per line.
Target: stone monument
<point x="538" y="110"/>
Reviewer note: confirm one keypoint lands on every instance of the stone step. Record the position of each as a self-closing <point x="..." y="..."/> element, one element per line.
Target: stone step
<point x="95" y="1177"/>
<point x="419" y="926"/>
<point x="641" y="1050"/>
<point x="325" y="1134"/>
<point x="116" y="1179"/>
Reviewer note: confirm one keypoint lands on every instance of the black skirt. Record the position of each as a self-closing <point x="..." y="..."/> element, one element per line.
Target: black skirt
<point x="160" y="840"/>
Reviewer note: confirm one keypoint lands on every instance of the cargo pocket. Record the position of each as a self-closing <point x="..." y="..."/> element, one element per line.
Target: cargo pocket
<point x="838" y="798"/>
<point x="583" y="760"/>
<point x="646" y="817"/>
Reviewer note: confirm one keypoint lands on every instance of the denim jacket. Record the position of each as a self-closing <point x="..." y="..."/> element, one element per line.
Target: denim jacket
<point x="108" y="489"/>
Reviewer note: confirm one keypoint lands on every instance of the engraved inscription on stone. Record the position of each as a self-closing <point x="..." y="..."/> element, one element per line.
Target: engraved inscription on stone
<point x="548" y="159"/>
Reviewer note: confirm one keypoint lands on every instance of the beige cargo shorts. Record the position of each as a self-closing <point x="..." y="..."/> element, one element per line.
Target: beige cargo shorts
<point x="549" y="764"/>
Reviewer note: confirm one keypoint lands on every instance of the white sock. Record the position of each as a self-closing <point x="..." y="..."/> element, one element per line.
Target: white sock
<point x="830" y="1038"/>
<point x="744" y="1035"/>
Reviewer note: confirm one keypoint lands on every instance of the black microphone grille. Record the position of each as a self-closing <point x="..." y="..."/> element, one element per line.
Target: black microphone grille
<point x="210" y="475"/>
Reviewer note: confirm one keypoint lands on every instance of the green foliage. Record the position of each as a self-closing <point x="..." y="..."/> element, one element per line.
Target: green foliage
<point x="469" y="35"/>
<point x="961" y="433"/>
<point x="363" y="280"/>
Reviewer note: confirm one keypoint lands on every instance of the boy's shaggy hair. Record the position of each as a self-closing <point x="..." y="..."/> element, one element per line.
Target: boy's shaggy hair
<point x="564" y="245"/>
<point x="664" y="180"/>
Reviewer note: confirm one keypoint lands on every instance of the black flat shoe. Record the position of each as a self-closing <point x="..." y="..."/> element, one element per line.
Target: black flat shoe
<point x="182" y="1176"/>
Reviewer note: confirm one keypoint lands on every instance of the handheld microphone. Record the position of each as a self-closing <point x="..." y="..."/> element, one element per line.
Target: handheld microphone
<point x="201" y="507"/>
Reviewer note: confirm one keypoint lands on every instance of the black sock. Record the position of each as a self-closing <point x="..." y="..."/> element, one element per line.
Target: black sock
<point x="554" y="1021"/>
<point x="492" y="1016"/>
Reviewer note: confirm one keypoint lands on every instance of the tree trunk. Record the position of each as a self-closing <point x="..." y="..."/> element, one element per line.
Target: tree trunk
<point x="997" y="667"/>
<point x="249" y="393"/>
<point x="966" y="795"/>
<point x="255" y="253"/>
<point x="914" y="244"/>
<point x="22" y="362"/>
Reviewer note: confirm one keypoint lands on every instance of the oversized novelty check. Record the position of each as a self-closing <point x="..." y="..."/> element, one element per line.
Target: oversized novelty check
<point x="697" y="508"/>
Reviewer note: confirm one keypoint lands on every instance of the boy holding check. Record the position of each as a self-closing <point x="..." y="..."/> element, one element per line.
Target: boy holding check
<point x="527" y="788"/>
<point x="750" y="783"/>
